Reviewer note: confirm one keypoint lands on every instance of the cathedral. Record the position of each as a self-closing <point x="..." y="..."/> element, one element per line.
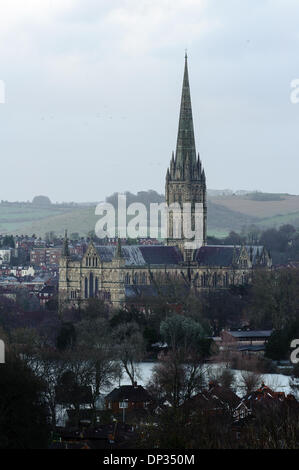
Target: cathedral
<point x="119" y="273"/>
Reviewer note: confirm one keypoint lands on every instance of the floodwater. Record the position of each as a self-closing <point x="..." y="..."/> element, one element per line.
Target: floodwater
<point x="277" y="382"/>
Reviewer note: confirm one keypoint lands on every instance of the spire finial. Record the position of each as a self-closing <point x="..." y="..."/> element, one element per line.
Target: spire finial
<point x="186" y="55"/>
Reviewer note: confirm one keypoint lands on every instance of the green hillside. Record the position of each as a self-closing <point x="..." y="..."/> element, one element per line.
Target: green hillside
<point x="225" y="213"/>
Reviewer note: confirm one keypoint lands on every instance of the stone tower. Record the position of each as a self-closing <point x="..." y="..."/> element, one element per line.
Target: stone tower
<point x="185" y="181"/>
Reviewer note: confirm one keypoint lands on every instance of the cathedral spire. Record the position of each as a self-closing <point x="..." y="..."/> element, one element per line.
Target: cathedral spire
<point x="65" y="251"/>
<point x="187" y="170"/>
<point x="185" y="140"/>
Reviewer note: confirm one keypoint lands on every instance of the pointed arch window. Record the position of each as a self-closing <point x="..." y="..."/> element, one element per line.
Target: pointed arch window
<point x="91" y="290"/>
<point x="86" y="288"/>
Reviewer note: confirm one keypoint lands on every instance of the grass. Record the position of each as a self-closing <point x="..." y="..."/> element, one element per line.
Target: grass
<point x="279" y="220"/>
<point x="262" y="209"/>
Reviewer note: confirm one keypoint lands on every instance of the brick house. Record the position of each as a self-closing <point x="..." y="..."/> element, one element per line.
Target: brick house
<point x="218" y="400"/>
<point x="266" y="396"/>
<point x="130" y="397"/>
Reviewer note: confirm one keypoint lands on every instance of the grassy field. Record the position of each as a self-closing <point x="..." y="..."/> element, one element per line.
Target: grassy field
<point x="286" y="204"/>
<point x="27" y="219"/>
<point x="225" y="213"/>
<point x="279" y="220"/>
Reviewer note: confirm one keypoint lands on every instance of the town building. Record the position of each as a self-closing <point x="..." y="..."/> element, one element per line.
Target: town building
<point x="253" y="341"/>
<point x="45" y="256"/>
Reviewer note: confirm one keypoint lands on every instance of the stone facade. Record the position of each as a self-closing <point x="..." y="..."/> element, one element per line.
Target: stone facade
<point x="122" y="272"/>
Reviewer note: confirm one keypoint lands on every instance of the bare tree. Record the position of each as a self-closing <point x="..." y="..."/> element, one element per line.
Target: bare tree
<point x="250" y="381"/>
<point x="129" y="348"/>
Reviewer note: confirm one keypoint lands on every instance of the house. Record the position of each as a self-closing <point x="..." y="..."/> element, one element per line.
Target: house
<point x="45" y="294"/>
<point x="229" y="401"/>
<point x="204" y="403"/>
<point x="266" y="396"/>
<point x="218" y="400"/>
<point x="130" y="397"/>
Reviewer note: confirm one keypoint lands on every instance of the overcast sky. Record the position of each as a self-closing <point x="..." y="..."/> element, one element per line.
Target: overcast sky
<point x="93" y="92"/>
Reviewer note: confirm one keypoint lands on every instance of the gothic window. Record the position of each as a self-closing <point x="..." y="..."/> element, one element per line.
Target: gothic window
<point x="206" y="279"/>
<point x="90" y="285"/>
<point x="86" y="261"/>
<point x="96" y="289"/>
<point x="135" y="279"/>
<point x="127" y="278"/>
<point x="86" y="288"/>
